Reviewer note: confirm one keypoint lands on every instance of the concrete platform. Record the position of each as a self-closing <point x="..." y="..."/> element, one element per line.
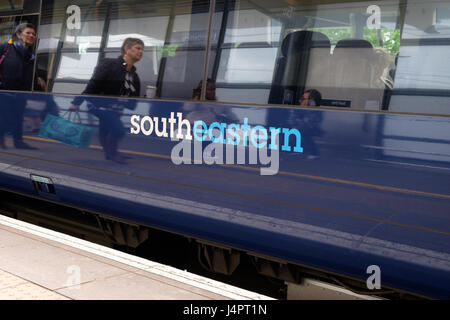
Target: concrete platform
<point x="40" y="264"/>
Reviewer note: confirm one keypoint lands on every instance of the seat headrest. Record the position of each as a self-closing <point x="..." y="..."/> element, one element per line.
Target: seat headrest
<point x="304" y="40"/>
<point x="354" y="43"/>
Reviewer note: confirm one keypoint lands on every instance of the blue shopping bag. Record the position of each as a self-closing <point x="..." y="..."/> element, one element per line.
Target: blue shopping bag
<point x="66" y="130"/>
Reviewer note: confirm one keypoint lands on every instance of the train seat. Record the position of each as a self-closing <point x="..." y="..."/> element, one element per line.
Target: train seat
<point x="352" y="70"/>
<point x="303" y="62"/>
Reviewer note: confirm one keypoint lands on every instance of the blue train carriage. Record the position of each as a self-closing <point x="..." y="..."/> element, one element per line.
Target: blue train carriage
<point x="317" y="142"/>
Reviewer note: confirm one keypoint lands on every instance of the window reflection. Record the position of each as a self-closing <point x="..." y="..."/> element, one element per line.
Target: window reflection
<point x="11" y="5"/>
<point x="263" y="53"/>
<point x="90" y="36"/>
<point x="283" y="49"/>
<point x="183" y="55"/>
<point x="7" y="26"/>
<point x="49" y="37"/>
<point x="443" y="16"/>
<point x="356" y="54"/>
<point x="252" y="26"/>
<point x="75" y="66"/>
<point x="174" y="34"/>
<point x="151" y="30"/>
<point x="240" y="66"/>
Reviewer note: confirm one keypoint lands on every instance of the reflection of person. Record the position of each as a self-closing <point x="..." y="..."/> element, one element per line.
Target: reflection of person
<point x="207" y="113"/>
<point x="210" y="90"/>
<point x="309" y="123"/>
<point x="116" y="77"/>
<point x="381" y="77"/>
<point x="40" y="105"/>
<point x="16" y="74"/>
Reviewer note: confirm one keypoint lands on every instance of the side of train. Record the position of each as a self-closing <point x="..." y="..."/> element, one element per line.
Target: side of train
<point x="355" y="191"/>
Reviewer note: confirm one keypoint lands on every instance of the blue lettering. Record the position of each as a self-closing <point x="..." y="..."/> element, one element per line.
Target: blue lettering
<point x="287" y="133"/>
<point x="232" y="131"/>
<point x="201" y="131"/>
<point x="221" y="127"/>
<point x="274" y="132"/>
<point x="245" y="127"/>
<point x="256" y="138"/>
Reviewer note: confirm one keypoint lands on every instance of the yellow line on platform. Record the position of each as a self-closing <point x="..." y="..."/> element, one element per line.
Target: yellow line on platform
<point x="154" y="155"/>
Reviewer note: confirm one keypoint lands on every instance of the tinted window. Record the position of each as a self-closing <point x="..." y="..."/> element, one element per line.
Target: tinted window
<point x="422" y="79"/>
<point x="383" y="55"/>
<point x="174" y="34"/>
<point x="19" y="6"/>
<point x="7" y="26"/>
<point x="10" y="5"/>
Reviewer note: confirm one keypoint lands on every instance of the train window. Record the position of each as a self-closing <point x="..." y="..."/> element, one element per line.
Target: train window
<point x="18" y="7"/>
<point x="69" y="41"/>
<point x="7" y="25"/>
<point x="358" y="54"/>
<point x="274" y="51"/>
<point x="11" y="5"/>
<point x="76" y="66"/>
<point x="443" y="16"/>
<point x="422" y="78"/>
<point x="75" y="35"/>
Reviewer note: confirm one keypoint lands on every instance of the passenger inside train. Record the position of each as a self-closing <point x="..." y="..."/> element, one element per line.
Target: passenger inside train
<point x="311" y="98"/>
<point x="210" y="90"/>
<point x="309" y="122"/>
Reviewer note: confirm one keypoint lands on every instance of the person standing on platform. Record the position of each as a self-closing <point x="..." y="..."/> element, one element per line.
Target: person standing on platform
<point x="16" y="71"/>
<point x="114" y="77"/>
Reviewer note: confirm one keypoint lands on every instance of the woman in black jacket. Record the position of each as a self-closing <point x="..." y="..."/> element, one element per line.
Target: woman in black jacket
<point x="16" y="72"/>
<point x="115" y="77"/>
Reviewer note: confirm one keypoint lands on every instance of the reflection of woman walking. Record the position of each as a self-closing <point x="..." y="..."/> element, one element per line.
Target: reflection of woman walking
<point x="116" y="77"/>
<point x="16" y="74"/>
